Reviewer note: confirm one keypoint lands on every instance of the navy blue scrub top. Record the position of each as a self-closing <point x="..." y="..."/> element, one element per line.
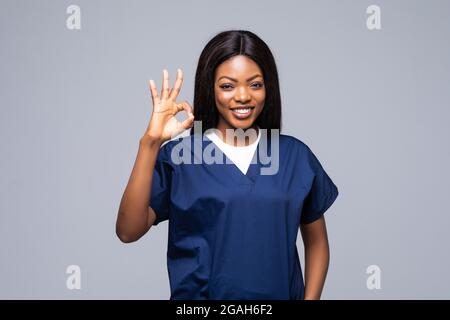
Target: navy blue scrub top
<point x="233" y="235"/>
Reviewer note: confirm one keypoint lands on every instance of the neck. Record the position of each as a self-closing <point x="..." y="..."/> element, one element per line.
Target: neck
<point x="244" y="141"/>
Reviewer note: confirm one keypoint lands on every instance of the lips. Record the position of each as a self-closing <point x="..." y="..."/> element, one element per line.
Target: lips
<point x="242" y="112"/>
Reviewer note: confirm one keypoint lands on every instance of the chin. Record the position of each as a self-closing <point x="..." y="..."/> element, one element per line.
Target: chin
<point x="242" y="124"/>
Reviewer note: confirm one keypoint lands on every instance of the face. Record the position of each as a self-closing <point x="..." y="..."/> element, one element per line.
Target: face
<point x="239" y="92"/>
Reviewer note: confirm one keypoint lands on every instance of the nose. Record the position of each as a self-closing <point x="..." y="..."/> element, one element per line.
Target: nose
<point x="242" y="95"/>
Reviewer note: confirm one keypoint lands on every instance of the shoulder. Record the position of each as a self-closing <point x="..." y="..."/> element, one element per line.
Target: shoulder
<point x="291" y="146"/>
<point x="176" y="140"/>
<point x="166" y="149"/>
<point x="292" y="143"/>
<point x="173" y="147"/>
<point x="305" y="155"/>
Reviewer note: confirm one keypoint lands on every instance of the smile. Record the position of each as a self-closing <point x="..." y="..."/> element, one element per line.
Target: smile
<point x="242" y="112"/>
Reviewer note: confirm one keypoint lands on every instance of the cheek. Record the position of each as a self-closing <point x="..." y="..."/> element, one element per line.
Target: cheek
<point x="262" y="95"/>
<point x="223" y="99"/>
<point x="260" y="98"/>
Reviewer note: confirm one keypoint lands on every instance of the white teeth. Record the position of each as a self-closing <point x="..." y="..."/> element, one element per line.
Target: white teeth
<point x="242" y="110"/>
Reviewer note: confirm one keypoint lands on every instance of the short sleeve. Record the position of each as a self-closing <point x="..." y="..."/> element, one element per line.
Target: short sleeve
<point x="161" y="185"/>
<point x="322" y="194"/>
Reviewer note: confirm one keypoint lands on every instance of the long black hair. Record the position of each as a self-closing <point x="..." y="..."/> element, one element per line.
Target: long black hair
<point x="221" y="47"/>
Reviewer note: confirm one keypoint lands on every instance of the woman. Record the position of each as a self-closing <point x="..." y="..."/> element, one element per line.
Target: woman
<point x="232" y="228"/>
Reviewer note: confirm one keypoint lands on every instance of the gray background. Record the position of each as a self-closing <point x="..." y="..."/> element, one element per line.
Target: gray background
<point x="372" y="105"/>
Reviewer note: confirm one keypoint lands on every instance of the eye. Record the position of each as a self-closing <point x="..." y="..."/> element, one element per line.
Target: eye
<point x="226" y="86"/>
<point x="258" y="85"/>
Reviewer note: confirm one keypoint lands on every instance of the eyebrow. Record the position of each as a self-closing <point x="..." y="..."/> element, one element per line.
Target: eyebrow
<point x="251" y="78"/>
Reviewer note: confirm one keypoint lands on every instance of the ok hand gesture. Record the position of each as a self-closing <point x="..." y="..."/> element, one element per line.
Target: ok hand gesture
<point x="163" y="125"/>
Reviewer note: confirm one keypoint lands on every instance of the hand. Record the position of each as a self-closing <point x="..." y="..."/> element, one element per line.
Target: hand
<point x="163" y="125"/>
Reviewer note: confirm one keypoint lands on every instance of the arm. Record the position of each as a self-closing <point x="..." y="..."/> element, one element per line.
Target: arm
<point x="317" y="256"/>
<point x="135" y="217"/>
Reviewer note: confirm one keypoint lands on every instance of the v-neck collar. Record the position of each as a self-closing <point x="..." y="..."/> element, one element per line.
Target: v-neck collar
<point x="254" y="169"/>
<point x="241" y="156"/>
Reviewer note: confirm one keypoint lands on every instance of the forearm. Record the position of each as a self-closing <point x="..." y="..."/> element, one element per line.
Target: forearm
<point x="133" y="210"/>
<point x="317" y="257"/>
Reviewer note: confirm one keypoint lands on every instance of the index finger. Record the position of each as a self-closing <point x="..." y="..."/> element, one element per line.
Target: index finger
<point x="155" y="97"/>
<point x="177" y="86"/>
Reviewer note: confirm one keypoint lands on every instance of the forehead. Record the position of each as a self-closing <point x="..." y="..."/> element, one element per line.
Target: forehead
<point x="238" y="66"/>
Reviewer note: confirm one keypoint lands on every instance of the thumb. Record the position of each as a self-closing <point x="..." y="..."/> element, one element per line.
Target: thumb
<point x="186" y="124"/>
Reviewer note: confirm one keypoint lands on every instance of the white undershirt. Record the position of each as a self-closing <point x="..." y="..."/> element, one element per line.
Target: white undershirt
<point x="240" y="156"/>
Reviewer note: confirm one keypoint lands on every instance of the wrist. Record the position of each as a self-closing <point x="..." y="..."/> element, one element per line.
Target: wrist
<point x="148" y="141"/>
<point x="311" y="297"/>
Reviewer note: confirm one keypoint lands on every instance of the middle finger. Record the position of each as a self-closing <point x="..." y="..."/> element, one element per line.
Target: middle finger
<point x="165" y="87"/>
<point x="177" y="86"/>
